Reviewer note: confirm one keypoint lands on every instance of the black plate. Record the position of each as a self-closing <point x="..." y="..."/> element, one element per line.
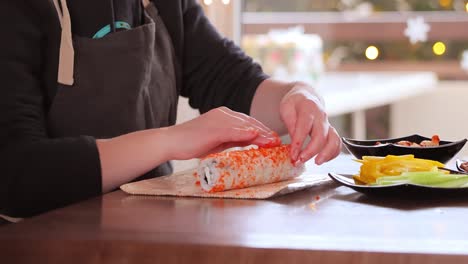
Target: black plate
<point x="442" y="153"/>
<point x="399" y="190"/>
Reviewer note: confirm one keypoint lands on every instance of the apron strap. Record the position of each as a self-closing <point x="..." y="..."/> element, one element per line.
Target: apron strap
<point x="59" y="11"/>
<point x="66" y="53"/>
<point x="145" y="2"/>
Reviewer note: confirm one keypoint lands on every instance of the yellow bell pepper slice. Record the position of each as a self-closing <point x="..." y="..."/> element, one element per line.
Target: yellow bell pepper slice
<point x="374" y="167"/>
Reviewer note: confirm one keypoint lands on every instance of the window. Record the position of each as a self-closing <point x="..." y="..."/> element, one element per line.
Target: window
<point x="374" y="36"/>
<point x="349" y="27"/>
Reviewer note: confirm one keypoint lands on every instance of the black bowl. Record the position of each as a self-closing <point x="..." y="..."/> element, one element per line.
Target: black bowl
<point x="442" y="153"/>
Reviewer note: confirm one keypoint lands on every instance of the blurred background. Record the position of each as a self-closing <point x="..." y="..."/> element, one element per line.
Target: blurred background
<point x="386" y="68"/>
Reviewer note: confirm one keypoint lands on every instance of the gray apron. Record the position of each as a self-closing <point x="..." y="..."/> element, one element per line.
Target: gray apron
<point x="121" y="83"/>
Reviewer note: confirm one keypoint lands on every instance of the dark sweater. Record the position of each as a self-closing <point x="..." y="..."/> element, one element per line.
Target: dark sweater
<point x="39" y="173"/>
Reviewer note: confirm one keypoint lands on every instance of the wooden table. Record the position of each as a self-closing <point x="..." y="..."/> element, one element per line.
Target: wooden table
<point x="327" y="224"/>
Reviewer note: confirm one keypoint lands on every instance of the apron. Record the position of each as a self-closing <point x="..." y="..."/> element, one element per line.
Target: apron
<point x="121" y="83"/>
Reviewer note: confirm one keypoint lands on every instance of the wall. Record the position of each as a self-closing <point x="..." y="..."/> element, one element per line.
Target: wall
<point x="443" y="112"/>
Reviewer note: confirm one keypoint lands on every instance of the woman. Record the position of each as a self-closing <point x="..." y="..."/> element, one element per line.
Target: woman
<point x="82" y="115"/>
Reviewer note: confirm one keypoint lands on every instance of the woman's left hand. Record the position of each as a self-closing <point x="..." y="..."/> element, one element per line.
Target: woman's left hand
<point x="303" y="113"/>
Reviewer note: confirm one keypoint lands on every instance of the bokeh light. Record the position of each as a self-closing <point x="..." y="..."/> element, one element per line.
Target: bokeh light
<point x="207" y="2"/>
<point x="439" y="48"/>
<point x="372" y="52"/>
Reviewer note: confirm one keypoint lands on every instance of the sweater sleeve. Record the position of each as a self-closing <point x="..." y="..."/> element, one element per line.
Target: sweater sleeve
<point x="215" y="71"/>
<point x="37" y="173"/>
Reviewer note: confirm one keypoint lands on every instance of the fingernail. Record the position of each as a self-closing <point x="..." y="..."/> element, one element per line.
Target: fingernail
<point x="318" y="161"/>
<point x="298" y="163"/>
<point x="302" y="158"/>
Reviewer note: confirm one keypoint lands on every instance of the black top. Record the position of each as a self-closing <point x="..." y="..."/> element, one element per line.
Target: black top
<point x="39" y="173"/>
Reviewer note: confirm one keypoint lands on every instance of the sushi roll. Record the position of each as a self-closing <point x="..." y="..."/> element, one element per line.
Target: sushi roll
<point x="240" y="169"/>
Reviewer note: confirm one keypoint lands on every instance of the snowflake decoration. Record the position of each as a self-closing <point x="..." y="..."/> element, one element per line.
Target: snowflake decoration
<point x="417" y="29"/>
<point x="464" y="60"/>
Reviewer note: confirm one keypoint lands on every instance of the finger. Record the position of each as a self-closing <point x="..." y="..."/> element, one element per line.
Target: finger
<point x="264" y="132"/>
<point x="263" y="129"/>
<point x="242" y="119"/>
<point x="247" y="136"/>
<point x="288" y="115"/>
<point x="340" y="145"/>
<point x="266" y="136"/>
<point x="263" y="141"/>
<point x="238" y="135"/>
<point x="259" y="124"/>
<point x="318" y="138"/>
<point x="331" y="149"/>
<point x="303" y="126"/>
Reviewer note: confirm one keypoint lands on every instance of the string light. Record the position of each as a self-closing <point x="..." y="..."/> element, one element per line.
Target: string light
<point x="226" y="2"/>
<point x="372" y="52"/>
<point x="438" y="48"/>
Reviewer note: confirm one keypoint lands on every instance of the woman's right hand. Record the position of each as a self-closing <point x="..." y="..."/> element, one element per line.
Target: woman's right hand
<point x="128" y="156"/>
<point x="216" y="130"/>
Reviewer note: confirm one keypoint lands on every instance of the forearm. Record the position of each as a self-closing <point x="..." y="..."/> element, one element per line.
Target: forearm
<point x="266" y="102"/>
<point x="128" y="156"/>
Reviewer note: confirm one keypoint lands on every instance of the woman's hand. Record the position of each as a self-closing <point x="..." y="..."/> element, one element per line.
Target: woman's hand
<point x="216" y="130"/>
<point x="303" y="113"/>
<point x="126" y="157"/>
